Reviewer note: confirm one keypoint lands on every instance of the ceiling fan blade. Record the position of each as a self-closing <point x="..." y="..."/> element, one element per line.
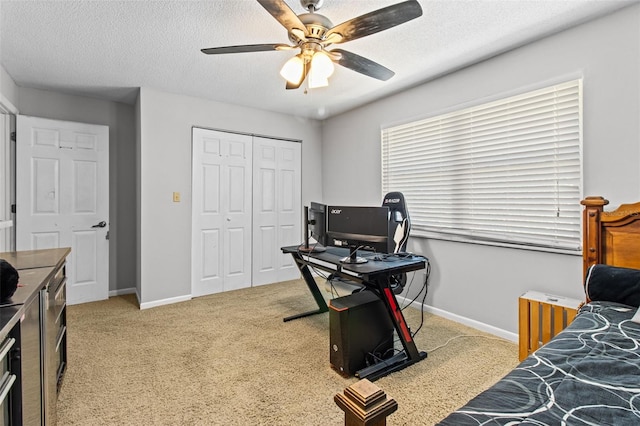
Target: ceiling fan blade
<point x="246" y="48"/>
<point x="360" y="64"/>
<point x="376" y="21"/>
<point x="305" y="72"/>
<point x="283" y="14"/>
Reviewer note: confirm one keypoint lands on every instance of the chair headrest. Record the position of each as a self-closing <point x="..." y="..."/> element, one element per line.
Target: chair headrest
<point x="394" y="200"/>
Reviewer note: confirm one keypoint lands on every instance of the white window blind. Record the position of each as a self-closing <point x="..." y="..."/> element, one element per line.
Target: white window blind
<point x="507" y="171"/>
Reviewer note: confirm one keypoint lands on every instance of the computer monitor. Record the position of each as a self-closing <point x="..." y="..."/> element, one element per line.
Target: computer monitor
<point x="359" y="228"/>
<point x="315" y="225"/>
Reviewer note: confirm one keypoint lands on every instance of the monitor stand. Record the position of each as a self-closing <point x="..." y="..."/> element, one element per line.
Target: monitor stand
<point x="353" y="256"/>
<point x="306" y="248"/>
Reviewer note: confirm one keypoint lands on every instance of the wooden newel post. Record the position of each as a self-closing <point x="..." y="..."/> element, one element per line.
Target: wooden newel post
<point x="365" y="404"/>
<point x="591" y="232"/>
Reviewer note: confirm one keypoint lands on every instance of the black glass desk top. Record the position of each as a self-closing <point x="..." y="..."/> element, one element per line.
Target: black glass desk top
<point x="377" y="263"/>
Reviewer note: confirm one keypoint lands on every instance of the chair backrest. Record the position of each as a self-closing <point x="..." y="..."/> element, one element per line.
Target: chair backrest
<point x="399" y="221"/>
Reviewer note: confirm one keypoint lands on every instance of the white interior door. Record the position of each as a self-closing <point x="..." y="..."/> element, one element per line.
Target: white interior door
<point x="276" y="207"/>
<point x="221" y="212"/>
<point x="62" y="198"/>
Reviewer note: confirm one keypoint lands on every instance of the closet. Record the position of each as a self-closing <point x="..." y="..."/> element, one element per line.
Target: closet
<point x="246" y="204"/>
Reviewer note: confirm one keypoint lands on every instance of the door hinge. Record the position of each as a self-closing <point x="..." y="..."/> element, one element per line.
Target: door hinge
<point x="13" y="208"/>
<point x="13" y="136"/>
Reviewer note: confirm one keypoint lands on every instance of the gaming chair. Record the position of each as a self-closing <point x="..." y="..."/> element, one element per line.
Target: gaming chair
<point x="399" y="228"/>
<point x="399" y="221"/>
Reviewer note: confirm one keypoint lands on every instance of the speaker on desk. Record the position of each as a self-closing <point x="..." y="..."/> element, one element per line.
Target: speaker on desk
<point x="360" y="330"/>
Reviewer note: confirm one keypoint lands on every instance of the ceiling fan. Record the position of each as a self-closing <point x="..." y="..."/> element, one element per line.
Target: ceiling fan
<point x="312" y="33"/>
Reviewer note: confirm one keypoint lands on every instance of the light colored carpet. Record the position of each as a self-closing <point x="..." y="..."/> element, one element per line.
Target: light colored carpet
<point x="229" y="359"/>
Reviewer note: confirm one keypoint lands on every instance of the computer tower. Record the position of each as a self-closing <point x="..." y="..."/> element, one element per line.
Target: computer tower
<point x="360" y="330"/>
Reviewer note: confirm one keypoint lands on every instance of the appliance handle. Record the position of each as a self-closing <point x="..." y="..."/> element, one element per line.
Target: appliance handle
<point x="8" y="344"/>
<point x="7" y="383"/>
<point x="60" y="336"/>
<point x="60" y="288"/>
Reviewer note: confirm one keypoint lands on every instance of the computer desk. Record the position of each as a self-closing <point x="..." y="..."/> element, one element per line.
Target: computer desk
<point x="375" y="276"/>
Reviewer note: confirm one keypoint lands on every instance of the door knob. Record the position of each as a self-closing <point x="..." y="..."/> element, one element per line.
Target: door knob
<point x="100" y="224"/>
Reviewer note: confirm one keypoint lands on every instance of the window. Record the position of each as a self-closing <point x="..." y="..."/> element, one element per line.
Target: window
<point x="507" y="171"/>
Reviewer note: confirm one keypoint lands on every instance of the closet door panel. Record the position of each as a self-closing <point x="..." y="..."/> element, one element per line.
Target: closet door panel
<point x="221" y="212"/>
<point x="277" y="208"/>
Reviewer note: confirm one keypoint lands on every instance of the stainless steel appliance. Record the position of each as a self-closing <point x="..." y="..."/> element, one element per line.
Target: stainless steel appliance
<point x="35" y="316"/>
<point x="55" y="334"/>
<point x="7" y="381"/>
<point x="10" y="403"/>
<point x="31" y="335"/>
<point x="30" y="356"/>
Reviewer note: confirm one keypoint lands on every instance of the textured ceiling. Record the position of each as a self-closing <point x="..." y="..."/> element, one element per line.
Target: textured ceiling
<point x="107" y="49"/>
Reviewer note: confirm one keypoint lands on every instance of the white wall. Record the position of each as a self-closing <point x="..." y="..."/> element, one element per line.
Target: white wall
<point x="138" y="180"/>
<point x="165" y="166"/>
<point x="479" y="282"/>
<point x="120" y="119"/>
<point x="8" y="88"/>
<point x="8" y="98"/>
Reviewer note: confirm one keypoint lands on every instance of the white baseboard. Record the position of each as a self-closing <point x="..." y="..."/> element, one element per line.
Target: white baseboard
<point x="464" y="320"/>
<point x="513" y="337"/>
<point x="163" y="302"/>
<point x="155" y="303"/>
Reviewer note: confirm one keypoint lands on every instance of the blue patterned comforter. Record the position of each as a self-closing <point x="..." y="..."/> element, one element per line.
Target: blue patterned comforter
<point x="589" y="374"/>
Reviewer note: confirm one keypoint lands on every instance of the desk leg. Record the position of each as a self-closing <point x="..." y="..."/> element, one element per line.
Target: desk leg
<point x="411" y="355"/>
<point x="313" y="287"/>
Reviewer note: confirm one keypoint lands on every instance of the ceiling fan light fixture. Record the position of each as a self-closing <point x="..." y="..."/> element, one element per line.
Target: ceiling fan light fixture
<point x="313" y="33"/>
<point x="316" y="82"/>
<point x="321" y="69"/>
<point x="293" y="70"/>
<point x="322" y="65"/>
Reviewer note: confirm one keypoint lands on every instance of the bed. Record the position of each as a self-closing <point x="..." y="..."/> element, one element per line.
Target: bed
<point x="588" y="374"/>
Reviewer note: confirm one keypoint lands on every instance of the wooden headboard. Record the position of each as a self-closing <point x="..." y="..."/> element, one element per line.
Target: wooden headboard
<point x="610" y="237"/>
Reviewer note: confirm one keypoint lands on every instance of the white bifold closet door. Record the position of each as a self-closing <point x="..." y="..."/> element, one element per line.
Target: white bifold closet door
<point x="245" y="206"/>
<point x="276" y="209"/>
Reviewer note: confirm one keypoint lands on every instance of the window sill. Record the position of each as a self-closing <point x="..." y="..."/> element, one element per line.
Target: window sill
<point x="468" y="240"/>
